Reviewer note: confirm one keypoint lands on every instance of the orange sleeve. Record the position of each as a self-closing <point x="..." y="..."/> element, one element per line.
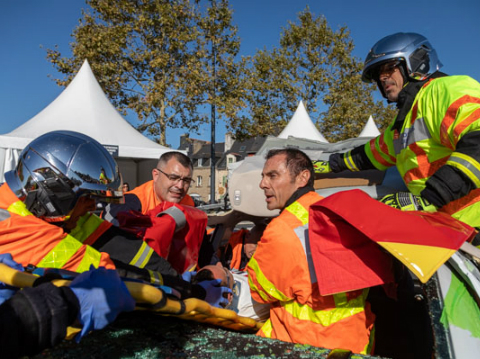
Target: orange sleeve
<point x="28" y="238"/>
<point x="235" y="242"/>
<point x="280" y="262"/>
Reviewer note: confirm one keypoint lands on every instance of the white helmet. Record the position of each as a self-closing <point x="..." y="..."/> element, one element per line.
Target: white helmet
<point x="58" y="167"/>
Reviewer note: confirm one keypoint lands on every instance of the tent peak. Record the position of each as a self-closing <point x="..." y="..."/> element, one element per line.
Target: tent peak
<point x="370" y="129"/>
<point x="302" y="126"/>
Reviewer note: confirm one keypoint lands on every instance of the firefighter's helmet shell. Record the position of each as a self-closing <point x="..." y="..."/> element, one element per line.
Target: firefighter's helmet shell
<point x="413" y="51"/>
<point x="55" y="169"/>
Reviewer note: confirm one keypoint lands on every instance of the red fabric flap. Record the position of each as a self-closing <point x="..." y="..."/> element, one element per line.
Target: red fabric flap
<point x="185" y="244"/>
<point x="345" y="227"/>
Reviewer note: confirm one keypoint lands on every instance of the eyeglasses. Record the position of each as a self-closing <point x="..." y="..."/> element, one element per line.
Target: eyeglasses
<point x="176" y="178"/>
<point x="386" y="69"/>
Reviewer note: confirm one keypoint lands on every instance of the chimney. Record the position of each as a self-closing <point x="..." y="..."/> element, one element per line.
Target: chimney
<point x="184" y="141"/>
<point x="228" y="141"/>
<point x="197" y="146"/>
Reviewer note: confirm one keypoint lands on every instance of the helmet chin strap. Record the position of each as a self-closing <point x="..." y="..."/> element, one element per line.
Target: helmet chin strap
<point x="52" y="198"/>
<point x="38" y="202"/>
<point x="403" y="71"/>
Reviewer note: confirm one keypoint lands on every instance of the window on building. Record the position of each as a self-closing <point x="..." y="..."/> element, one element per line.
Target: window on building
<point x="199" y="181"/>
<point x="200" y="162"/>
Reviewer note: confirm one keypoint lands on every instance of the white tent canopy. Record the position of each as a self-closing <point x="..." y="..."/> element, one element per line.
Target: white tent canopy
<point x="84" y="107"/>
<point x="370" y="129"/>
<point x="301" y="126"/>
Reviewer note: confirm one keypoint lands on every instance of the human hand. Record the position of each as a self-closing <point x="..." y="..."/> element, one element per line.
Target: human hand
<point x="216" y="295"/>
<point x="188" y="275"/>
<point x="102" y="296"/>
<point x="407" y="201"/>
<point x="7" y="291"/>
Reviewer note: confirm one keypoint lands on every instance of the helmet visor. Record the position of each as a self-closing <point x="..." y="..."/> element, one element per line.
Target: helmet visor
<point x="387" y="68"/>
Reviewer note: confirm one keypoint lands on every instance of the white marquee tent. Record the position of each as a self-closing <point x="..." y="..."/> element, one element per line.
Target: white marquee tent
<point x="370" y="129"/>
<point x="301" y="126"/>
<point x="84" y="107"/>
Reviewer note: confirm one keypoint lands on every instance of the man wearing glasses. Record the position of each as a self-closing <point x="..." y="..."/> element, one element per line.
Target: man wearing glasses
<point x="171" y="180"/>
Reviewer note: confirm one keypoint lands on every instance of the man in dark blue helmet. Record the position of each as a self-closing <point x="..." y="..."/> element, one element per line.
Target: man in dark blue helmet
<point x="434" y="141"/>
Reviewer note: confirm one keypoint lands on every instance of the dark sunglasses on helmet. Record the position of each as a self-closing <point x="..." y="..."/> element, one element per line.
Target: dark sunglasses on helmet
<point x="386" y="68"/>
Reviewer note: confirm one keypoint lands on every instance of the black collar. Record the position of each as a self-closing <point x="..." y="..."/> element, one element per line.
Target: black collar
<point x="407" y="96"/>
<point x="297" y="194"/>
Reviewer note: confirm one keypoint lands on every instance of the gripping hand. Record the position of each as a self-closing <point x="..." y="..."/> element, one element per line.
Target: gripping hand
<point x="216" y="295"/>
<point x="406" y="201"/>
<point x="102" y="296"/>
<point x="321" y="166"/>
<point x="188" y="275"/>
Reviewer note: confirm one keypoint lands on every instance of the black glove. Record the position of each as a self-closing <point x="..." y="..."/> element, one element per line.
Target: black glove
<point x="337" y="164"/>
<point x="407" y="201"/>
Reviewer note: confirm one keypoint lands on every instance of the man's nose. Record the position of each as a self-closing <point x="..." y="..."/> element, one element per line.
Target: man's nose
<point x="263" y="183"/>
<point x="179" y="184"/>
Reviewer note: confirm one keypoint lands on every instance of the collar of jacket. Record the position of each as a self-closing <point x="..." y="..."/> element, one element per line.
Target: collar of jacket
<point x="297" y="194"/>
<point x="407" y="96"/>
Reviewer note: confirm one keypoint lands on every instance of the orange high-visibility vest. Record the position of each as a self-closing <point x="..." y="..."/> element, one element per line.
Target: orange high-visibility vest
<point x="236" y="243"/>
<point x="31" y="240"/>
<point x="280" y="274"/>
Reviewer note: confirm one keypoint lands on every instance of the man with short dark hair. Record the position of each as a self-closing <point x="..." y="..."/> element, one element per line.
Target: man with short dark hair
<point x="171" y="180"/>
<point x="281" y="271"/>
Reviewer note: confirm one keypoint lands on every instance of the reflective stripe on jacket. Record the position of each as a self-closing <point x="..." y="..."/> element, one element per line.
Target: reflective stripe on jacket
<point x="444" y="110"/>
<point x="149" y="200"/>
<point x="280" y="274"/>
<point x="31" y="240"/>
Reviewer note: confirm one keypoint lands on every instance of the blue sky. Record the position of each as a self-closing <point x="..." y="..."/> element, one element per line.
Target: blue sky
<point x="29" y="27"/>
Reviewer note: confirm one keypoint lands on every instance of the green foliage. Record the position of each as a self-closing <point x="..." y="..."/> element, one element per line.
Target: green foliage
<point x="152" y="57"/>
<point x="313" y="63"/>
<point x="170" y="61"/>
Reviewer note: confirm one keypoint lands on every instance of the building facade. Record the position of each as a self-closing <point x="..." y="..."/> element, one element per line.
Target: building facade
<point x="226" y="153"/>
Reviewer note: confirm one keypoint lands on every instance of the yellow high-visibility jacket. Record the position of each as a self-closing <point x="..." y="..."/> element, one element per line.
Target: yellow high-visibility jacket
<point x="442" y="128"/>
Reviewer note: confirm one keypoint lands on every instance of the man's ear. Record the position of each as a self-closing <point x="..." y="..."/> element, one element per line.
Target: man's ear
<point x="303" y="178"/>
